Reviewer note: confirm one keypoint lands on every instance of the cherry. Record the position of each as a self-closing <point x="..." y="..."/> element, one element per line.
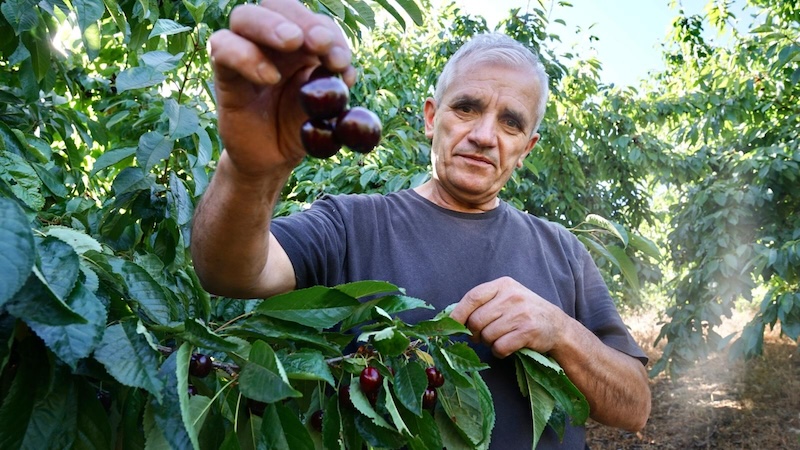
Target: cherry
<point x="200" y="365"/>
<point x="370" y="380"/>
<point x="316" y="420"/>
<point x="435" y="377"/>
<point x="324" y="97"/>
<point x="344" y="397"/>
<point x="429" y="398"/>
<point x="105" y="399"/>
<point x="256" y="407"/>
<point x="318" y="138"/>
<point x="359" y="129"/>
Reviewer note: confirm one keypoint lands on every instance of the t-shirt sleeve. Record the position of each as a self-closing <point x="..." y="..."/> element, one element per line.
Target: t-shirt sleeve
<point x="596" y="310"/>
<point x="314" y="240"/>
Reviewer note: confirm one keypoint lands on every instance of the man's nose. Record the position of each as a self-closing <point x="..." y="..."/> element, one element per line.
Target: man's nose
<point x="484" y="131"/>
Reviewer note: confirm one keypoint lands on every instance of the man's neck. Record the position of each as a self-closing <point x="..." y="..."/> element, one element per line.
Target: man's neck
<point x="438" y="195"/>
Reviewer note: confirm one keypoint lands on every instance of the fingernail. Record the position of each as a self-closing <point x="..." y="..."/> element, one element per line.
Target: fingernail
<point x="320" y="36"/>
<point x="288" y="31"/>
<point x="339" y="58"/>
<point x="267" y="74"/>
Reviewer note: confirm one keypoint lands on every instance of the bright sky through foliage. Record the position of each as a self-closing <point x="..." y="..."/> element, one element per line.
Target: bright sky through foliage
<point x="629" y="32"/>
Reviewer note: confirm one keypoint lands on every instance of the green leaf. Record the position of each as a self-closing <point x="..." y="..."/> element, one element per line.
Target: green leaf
<point x="358" y="289"/>
<point x="162" y="61"/>
<point x="144" y="290"/>
<point x="128" y="357"/>
<point x="626" y="266"/>
<point x="59" y="265"/>
<point x="198" y="334"/>
<point x="263" y="377"/>
<point x="167" y="27"/>
<point x="110" y="158"/>
<point x="22" y="179"/>
<point x="547" y="373"/>
<point x="26" y="389"/>
<point x="36" y="302"/>
<point x="410" y="383"/>
<point x="71" y="343"/>
<point x="377" y="436"/>
<point x="334" y="6"/>
<point x="332" y="429"/>
<point x="17" y="251"/>
<point x="89" y="12"/>
<point x="411" y="7"/>
<point x="463" y="407"/>
<point x="283" y="430"/>
<point x="50" y="180"/>
<point x="273" y="329"/>
<point x="391" y="304"/>
<point x="171" y="412"/>
<point x="93" y="429"/>
<point x="183" y="121"/>
<point x="444" y="326"/>
<point x="53" y="420"/>
<point x="364" y="12"/>
<point x="317" y="307"/>
<point x="391" y="408"/>
<point x="78" y="240"/>
<point x="402" y="21"/>
<point x="362" y="404"/>
<point x="306" y="365"/>
<point x="137" y="78"/>
<point x="424" y="432"/>
<point x="153" y="148"/>
<point x="181" y="206"/>
<point x="22" y="15"/>
<point x="542" y="403"/>
<point x="388" y="341"/>
<point x="609" y="226"/>
<point x="463" y="358"/>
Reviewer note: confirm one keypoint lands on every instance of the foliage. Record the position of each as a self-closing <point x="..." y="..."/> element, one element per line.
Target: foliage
<point x="732" y="113"/>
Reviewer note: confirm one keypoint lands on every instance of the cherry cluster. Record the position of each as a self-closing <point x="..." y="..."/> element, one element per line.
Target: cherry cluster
<point x="331" y="123"/>
<point x="435" y="381"/>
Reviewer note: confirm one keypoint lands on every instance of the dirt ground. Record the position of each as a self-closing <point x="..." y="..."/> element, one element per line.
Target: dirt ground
<point x="718" y="404"/>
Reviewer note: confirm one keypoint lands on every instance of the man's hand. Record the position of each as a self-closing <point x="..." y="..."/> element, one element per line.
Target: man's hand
<point x="507" y="316"/>
<point x="259" y="65"/>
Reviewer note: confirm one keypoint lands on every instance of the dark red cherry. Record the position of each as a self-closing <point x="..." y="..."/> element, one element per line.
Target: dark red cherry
<point x="318" y="138"/>
<point x="429" y="398"/>
<point x="370" y="380"/>
<point x="316" y="420"/>
<point x="359" y="129"/>
<point x="324" y="98"/>
<point x="344" y="397"/>
<point x="435" y="377"/>
<point x="200" y="365"/>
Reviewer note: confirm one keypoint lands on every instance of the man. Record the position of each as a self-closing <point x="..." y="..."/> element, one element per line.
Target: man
<point x="519" y="281"/>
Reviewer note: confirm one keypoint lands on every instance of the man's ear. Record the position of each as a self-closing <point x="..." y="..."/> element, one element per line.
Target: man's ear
<point x="528" y="147"/>
<point x="430" y="112"/>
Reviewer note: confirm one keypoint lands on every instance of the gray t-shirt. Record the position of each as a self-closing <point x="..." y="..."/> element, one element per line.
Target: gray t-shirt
<point x="438" y="255"/>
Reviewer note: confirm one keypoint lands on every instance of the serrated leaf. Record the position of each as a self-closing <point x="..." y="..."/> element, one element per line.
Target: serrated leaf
<point x="335" y="6"/>
<point x="464" y="409"/>
<point x="137" y="78"/>
<point x="391" y="304"/>
<point x="35" y="301"/>
<point x="198" y="334"/>
<point x="609" y="226"/>
<point x="78" y="240"/>
<point x="541" y="402"/>
<point x="181" y="206"/>
<point x="22" y="15"/>
<point x="282" y="430"/>
<point x="111" y="157"/>
<point x="23" y="180"/>
<point x="145" y="290"/>
<point x="183" y="121"/>
<point x="362" y="404"/>
<point x="551" y="377"/>
<point x="463" y="358"/>
<point x="167" y="27"/>
<point x="162" y="61"/>
<point x="364" y="12"/>
<point x="17" y="249"/>
<point x="263" y="377"/>
<point x="444" y="326"/>
<point x="52" y="423"/>
<point x="88" y="12"/>
<point x="410" y="383"/>
<point x="307" y="365"/>
<point x="129" y="358"/>
<point x="269" y="329"/>
<point x="71" y="343"/>
<point x="391" y="408"/>
<point x="358" y="289"/>
<point x="50" y="181"/>
<point x="59" y="264"/>
<point x="93" y="429"/>
<point x="626" y="266"/>
<point x="317" y="307"/>
<point x="153" y="148"/>
<point x="411" y="7"/>
<point x="171" y="413"/>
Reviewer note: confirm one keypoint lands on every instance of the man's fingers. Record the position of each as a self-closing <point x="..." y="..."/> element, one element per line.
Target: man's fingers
<point x="472" y="300"/>
<point x="235" y="56"/>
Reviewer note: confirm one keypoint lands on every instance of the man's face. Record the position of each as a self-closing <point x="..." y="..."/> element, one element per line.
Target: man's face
<point x="481" y="131"/>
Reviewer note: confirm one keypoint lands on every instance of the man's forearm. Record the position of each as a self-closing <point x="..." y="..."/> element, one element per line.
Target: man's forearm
<point x="230" y="231"/>
<point x="616" y="385"/>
